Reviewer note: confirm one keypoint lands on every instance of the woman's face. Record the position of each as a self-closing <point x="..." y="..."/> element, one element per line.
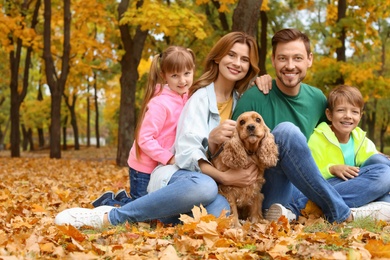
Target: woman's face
<point x="235" y="64"/>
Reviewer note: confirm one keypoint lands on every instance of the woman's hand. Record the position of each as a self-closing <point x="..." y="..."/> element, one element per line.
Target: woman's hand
<point x="344" y="172"/>
<point x="264" y="83"/>
<point x="240" y="177"/>
<point x="221" y="134"/>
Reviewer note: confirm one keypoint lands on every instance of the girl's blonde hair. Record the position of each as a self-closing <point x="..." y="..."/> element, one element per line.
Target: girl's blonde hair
<point x="174" y="59"/>
<point x="220" y="50"/>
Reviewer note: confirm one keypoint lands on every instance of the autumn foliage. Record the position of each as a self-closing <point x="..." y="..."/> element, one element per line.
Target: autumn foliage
<point x="35" y="188"/>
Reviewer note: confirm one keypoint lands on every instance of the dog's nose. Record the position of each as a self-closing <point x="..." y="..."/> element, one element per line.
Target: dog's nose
<point x="251" y="128"/>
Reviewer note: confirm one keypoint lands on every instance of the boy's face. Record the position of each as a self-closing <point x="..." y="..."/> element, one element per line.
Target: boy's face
<point x="345" y="117"/>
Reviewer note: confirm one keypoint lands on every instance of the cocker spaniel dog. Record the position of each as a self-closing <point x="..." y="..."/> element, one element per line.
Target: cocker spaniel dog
<point x="252" y="143"/>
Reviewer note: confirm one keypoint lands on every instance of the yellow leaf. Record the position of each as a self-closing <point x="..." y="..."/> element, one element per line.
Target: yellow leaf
<point x="47" y="247"/>
<point x="168" y="254"/>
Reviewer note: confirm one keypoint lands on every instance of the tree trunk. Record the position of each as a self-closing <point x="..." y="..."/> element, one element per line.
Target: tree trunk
<point x="371" y="119"/>
<point x="222" y="17"/>
<point x="73" y="119"/>
<point x="56" y="83"/>
<point x="73" y="122"/>
<point x="30" y="139"/>
<point x="88" y="116"/>
<point x="16" y="96"/>
<point x="2" y="134"/>
<point x="24" y="139"/>
<point x="27" y="138"/>
<point x="246" y="16"/>
<point x="15" y="103"/>
<point x="41" y="137"/>
<point x="95" y="96"/>
<point x="340" y="51"/>
<point x="64" y="136"/>
<point x="129" y="63"/>
<point x="385" y="124"/>
<point x="263" y="43"/>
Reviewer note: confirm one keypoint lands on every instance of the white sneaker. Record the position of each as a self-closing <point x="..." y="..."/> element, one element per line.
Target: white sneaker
<point x="79" y="217"/>
<point x="378" y="210"/>
<point x="277" y="210"/>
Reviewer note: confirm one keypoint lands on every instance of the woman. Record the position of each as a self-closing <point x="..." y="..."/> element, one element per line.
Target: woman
<point x="203" y="125"/>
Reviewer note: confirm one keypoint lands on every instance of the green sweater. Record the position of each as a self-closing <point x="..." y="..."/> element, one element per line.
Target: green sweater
<point x="327" y="152"/>
<point x="304" y="110"/>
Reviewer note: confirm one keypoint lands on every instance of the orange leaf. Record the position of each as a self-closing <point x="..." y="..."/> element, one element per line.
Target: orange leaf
<point x="37" y="208"/>
<point x="378" y="249"/>
<point x="72" y="232"/>
<point x="311" y="209"/>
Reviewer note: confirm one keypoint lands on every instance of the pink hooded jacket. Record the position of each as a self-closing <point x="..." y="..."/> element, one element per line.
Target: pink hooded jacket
<point x="158" y="131"/>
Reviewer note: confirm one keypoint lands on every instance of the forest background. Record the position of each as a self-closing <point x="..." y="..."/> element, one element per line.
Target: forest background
<point x="78" y="69"/>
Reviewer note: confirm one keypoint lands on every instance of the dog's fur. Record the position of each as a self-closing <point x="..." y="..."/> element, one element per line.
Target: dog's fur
<point x="252" y="142"/>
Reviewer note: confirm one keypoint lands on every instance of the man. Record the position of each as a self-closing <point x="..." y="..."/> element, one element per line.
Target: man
<point x="291" y="110"/>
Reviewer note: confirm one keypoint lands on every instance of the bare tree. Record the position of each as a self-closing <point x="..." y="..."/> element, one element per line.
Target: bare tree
<point x="56" y="81"/>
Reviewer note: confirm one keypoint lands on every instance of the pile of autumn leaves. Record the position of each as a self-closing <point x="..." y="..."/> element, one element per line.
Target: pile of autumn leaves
<point x="33" y="190"/>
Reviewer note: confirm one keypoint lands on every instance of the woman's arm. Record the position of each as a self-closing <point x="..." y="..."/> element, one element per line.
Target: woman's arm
<point x="240" y="177"/>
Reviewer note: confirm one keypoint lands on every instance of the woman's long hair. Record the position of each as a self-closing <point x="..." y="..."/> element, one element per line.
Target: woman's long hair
<point x="220" y="50"/>
<point x="174" y="59"/>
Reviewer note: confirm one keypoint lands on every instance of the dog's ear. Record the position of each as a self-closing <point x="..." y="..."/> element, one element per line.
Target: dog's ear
<point x="268" y="151"/>
<point x="234" y="155"/>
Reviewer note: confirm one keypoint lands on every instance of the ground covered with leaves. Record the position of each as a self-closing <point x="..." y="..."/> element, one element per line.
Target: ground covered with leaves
<point x="34" y="188"/>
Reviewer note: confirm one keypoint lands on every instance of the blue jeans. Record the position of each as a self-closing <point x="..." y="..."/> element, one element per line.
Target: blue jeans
<point x="296" y="175"/>
<point x="184" y="191"/>
<point x="138" y="183"/>
<point x="334" y="196"/>
<point x="138" y="187"/>
<point x="372" y="184"/>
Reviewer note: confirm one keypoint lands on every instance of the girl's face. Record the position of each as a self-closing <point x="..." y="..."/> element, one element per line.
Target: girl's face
<point x="235" y="64"/>
<point x="345" y="117"/>
<point x="180" y="82"/>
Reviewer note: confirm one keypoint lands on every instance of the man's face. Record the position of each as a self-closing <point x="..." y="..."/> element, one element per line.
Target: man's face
<point x="291" y="62"/>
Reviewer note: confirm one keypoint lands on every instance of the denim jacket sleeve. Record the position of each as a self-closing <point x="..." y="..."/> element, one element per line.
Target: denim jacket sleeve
<point x="199" y="116"/>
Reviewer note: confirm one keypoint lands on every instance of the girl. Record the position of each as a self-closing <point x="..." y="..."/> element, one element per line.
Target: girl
<point x="170" y="77"/>
<point x="203" y="124"/>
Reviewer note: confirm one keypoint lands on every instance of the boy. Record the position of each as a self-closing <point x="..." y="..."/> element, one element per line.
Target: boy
<point x="341" y="150"/>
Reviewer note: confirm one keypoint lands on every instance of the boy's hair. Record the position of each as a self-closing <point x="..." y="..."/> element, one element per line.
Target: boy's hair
<point x="220" y="50"/>
<point x="347" y="93"/>
<point x="289" y="35"/>
<point x="174" y="59"/>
